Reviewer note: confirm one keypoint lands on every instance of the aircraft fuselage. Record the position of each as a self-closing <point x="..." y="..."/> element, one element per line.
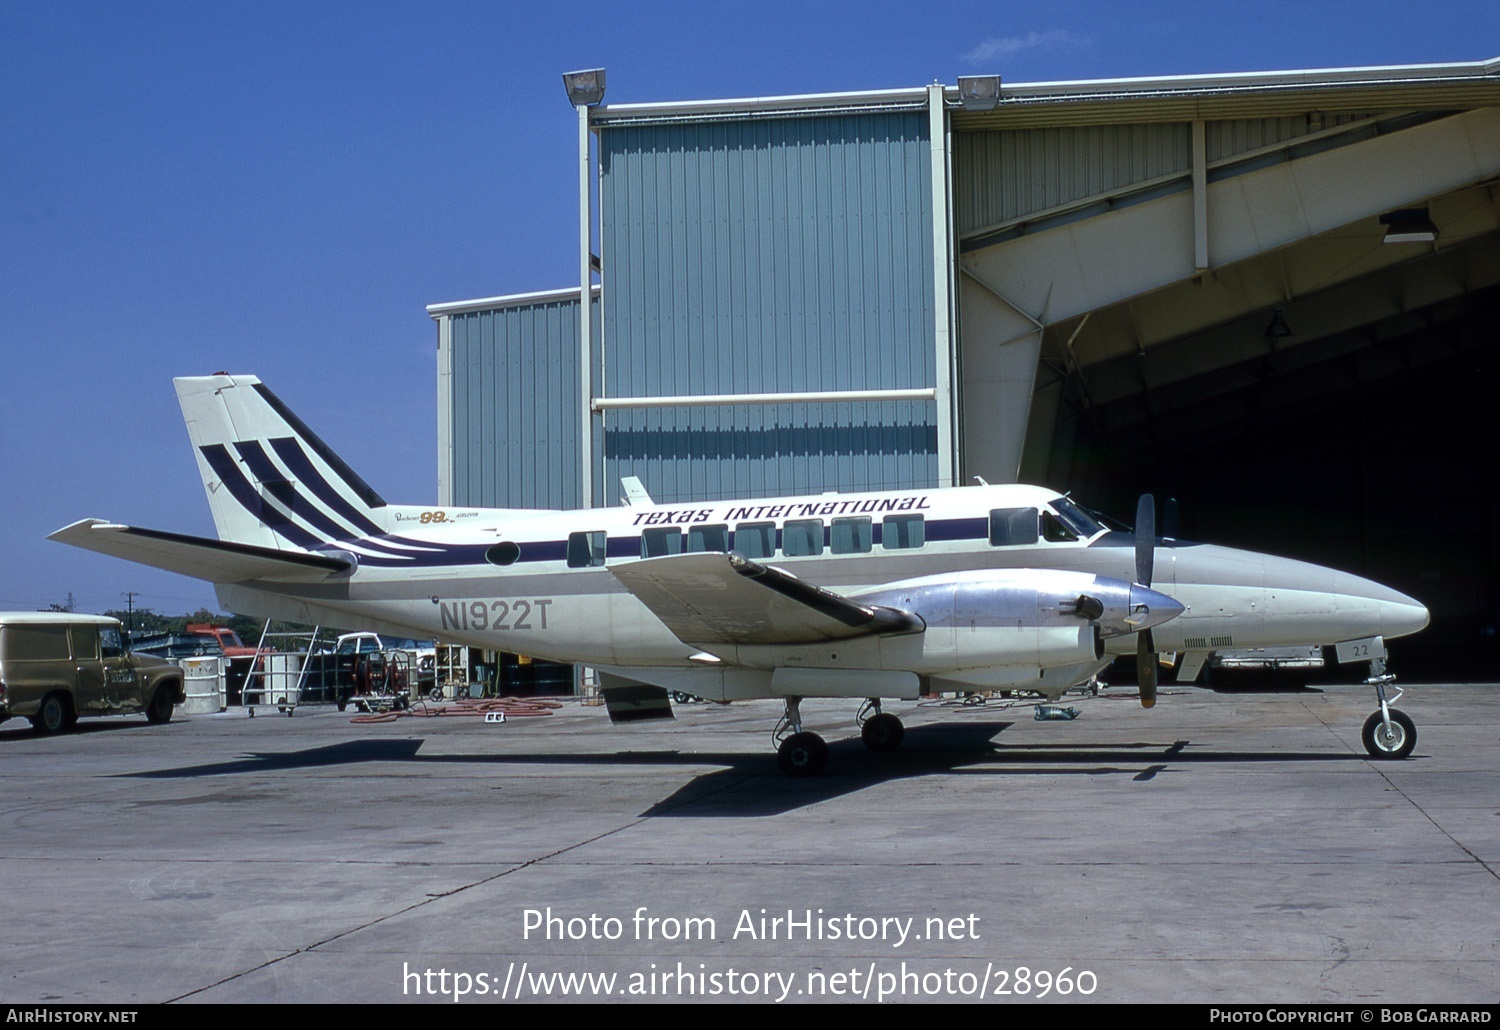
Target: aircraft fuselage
<point x="539" y="583"/>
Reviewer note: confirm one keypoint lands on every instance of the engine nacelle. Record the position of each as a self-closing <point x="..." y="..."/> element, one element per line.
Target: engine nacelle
<point x="1044" y="618"/>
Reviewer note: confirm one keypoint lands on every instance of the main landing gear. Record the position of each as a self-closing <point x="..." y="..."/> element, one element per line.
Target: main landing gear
<point x="880" y="731"/>
<point x="801" y="752"/>
<point x="1388" y="733"/>
<point x="798" y="751"/>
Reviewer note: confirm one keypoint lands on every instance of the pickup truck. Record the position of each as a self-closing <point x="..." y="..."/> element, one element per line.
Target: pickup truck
<point x="57" y="666"/>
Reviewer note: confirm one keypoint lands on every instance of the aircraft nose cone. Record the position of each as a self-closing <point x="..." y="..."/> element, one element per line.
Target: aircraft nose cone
<point x="1151" y="607"/>
<point x="1401" y="615"/>
<point x="1390" y="612"/>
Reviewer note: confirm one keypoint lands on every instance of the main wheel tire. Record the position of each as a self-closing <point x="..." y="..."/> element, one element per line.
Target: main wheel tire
<point x="802" y="754"/>
<point x="1397" y="743"/>
<point x="55" y="715"/>
<point x="162" y="703"/>
<point x="883" y="732"/>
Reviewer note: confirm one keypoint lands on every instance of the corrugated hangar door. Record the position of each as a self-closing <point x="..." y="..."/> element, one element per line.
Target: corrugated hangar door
<point x="768" y="255"/>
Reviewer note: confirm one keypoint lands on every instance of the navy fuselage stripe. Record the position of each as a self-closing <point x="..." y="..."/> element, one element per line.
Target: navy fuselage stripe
<point x="945" y="530"/>
<point x="958" y="529"/>
<point x="386" y="546"/>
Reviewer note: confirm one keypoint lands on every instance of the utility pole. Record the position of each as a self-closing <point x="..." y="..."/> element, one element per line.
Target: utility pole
<point x="130" y="611"/>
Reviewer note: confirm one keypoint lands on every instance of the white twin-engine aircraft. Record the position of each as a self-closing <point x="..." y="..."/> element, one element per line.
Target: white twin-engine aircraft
<point x="861" y="596"/>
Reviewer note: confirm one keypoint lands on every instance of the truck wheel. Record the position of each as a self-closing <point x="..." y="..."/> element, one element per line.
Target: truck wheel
<point x="160" y="708"/>
<point x="55" y="715"/>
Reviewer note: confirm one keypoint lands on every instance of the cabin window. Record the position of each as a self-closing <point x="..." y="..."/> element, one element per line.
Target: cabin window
<point x="1076" y="518"/>
<point x="902" y="532"/>
<point x="505" y="553"/>
<point x="755" y="539"/>
<point x="851" y="536"/>
<point x="1010" y="527"/>
<point x="708" y="538"/>
<point x="658" y="542"/>
<point x="802" y="537"/>
<point x="1053" y="530"/>
<point x="585" y="550"/>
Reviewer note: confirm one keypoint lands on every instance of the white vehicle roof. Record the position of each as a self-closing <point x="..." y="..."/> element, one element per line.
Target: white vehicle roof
<point x="53" y="618"/>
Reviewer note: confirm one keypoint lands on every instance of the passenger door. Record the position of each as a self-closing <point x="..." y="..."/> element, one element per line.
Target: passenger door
<point x="122" y="683"/>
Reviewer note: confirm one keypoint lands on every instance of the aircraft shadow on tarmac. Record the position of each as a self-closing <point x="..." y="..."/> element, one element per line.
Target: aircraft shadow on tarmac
<point x="751" y="784"/>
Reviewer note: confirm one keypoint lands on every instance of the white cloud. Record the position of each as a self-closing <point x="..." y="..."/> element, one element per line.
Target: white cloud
<point x="1055" y="40"/>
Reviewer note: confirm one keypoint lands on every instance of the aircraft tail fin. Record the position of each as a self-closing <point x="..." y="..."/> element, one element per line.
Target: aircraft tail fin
<point x="271" y="482"/>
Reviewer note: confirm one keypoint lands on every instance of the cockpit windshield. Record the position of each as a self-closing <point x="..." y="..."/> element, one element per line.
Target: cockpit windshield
<point x="1076" y="519"/>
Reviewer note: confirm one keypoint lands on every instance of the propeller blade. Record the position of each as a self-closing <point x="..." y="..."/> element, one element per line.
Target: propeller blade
<point x="1145" y="668"/>
<point x="1145" y="539"/>
<point x="1169" y="526"/>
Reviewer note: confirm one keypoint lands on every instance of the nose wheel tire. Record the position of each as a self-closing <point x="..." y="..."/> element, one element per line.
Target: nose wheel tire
<point x="1397" y="742"/>
<point x="802" y="754"/>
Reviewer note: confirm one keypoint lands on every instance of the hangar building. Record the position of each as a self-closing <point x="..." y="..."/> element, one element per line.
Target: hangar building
<point x="1272" y="296"/>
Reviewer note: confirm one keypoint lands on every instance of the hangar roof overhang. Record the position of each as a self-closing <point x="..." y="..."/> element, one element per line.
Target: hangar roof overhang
<point x="1237" y="95"/>
<point x="1087" y="101"/>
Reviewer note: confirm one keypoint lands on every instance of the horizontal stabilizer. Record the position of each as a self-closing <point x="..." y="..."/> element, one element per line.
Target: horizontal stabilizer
<point x="713" y="598"/>
<point x="214" y="560"/>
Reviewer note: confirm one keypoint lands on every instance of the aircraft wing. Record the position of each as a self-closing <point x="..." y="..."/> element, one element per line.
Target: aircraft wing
<point x="714" y="598"/>
<point x="217" y="561"/>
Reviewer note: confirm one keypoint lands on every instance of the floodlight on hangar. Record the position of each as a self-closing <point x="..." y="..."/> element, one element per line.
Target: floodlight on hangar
<point x="1410" y="225"/>
<point x="1278" y="329"/>
<point x="979" y="92"/>
<point x="585" y="88"/>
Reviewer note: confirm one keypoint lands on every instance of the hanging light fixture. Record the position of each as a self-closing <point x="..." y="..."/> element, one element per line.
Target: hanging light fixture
<point x="1409" y="225"/>
<point x="1278" y="329"/>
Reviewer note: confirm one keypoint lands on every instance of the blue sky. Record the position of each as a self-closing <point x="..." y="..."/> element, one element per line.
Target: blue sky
<point x="282" y="188"/>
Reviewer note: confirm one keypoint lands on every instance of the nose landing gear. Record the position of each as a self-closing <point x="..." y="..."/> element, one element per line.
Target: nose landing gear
<point x="1389" y="733"/>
